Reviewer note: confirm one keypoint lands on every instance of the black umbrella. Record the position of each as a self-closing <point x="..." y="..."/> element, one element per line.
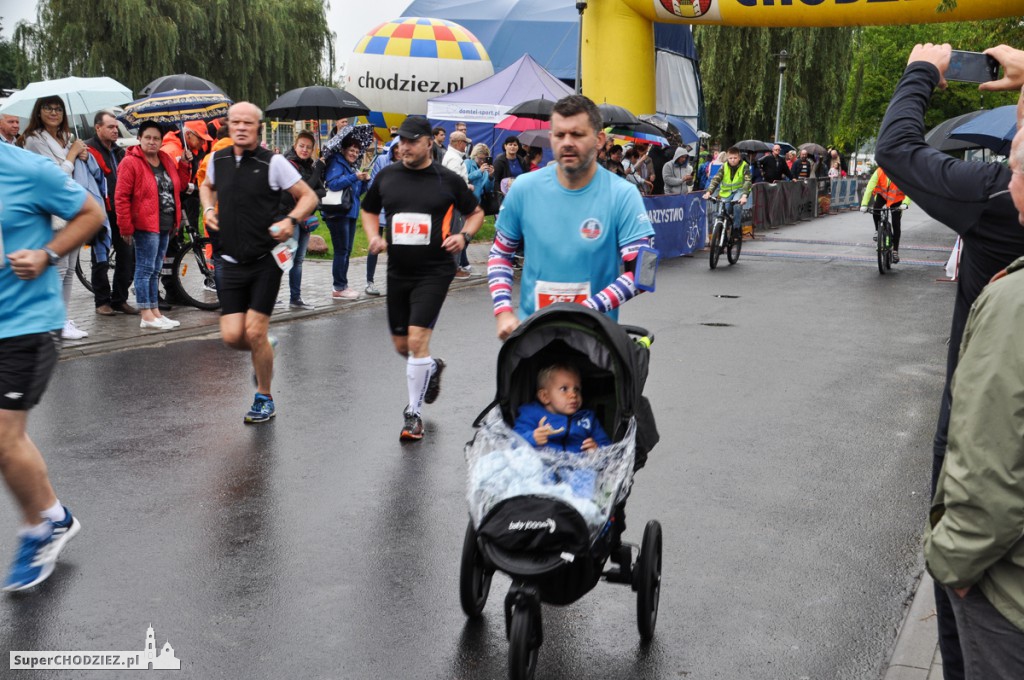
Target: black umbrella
<point x="752" y="145"/>
<point x="538" y="109"/>
<point x="938" y="137"/>
<point x="617" y="116"/>
<point x="179" y="81"/>
<point x="316" y="103"/>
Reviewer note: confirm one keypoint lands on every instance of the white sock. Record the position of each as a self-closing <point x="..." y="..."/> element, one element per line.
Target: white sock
<point x="417" y="374"/>
<point x="41" y="530"/>
<point x="54" y="513"/>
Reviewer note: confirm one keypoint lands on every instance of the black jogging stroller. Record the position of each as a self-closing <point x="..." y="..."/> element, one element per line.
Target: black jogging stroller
<point x="549" y="519"/>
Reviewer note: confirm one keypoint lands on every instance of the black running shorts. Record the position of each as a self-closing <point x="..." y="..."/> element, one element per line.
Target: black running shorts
<point x="416" y="300"/>
<point x="253" y="285"/>
<point x="26" y="364"/>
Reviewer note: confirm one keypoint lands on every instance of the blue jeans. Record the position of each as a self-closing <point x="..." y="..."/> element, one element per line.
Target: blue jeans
<point x="737" y="211"/>
<point x="371" y="258"/>
<point x="149" y="260"/>
<point x="343" y="234"/>
<point x="295" y="275"/>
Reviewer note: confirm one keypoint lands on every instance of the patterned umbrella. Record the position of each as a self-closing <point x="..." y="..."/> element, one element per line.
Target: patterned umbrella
<point x="175" y="107"/>
<point x="179" y="81"/>
<point x="361" y="133"/>
<point x="638" y="136"/>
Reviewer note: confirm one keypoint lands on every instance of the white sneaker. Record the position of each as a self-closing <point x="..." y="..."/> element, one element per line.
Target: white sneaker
<point x="72" y="332"/>
<point x="155" y="324"/>
<point x="168" y="323"/>
<point x="347" y="294"/>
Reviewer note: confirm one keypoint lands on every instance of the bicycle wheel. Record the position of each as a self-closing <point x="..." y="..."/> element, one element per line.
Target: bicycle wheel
<point x="193" y="278"/>
<point x="716" y="242"/>
<point x="880" y="246"/>
<point x="735" y="246"/>
<point x="888" y="246"/>
<point x="86" y="252"/>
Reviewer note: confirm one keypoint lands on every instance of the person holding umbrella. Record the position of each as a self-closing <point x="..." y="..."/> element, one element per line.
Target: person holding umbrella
<point x="345" y="176"/>
<point x="312" y="171"/>
<point x="48" y="135"/>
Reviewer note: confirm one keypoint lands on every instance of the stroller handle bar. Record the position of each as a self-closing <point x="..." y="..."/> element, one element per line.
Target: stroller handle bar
<point x="643" y="336"/>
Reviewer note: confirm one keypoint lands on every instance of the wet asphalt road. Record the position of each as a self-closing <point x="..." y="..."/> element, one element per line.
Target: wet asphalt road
<point x="791" y="482"/>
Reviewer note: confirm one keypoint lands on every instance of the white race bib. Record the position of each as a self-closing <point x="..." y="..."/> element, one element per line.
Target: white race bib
<point x="410" y="229"/>
<point x="550" y="292"/>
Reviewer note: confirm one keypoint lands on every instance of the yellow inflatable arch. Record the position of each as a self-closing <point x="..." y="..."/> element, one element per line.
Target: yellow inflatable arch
<point x="618" y="35"/>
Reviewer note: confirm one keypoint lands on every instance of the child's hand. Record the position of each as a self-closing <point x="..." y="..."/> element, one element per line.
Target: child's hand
<point x="589" y="445"/>
<point x="543" y="431"/>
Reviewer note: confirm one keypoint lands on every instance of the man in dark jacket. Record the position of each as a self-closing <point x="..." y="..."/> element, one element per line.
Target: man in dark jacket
<point x="773" y="167"/>
<point x="971" y="199"/>
<point x="108" y="155"/>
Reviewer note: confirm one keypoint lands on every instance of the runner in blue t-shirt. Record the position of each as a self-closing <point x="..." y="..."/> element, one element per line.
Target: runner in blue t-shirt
<point x="31" y="316"/>
<point x="580" y="224"/>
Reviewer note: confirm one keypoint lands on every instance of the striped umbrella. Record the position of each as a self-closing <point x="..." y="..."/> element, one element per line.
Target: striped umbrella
<point x="175" y="107"/>
<point x="637" y="136"/>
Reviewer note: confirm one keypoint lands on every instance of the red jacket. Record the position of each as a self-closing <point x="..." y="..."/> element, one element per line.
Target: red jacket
<point x="136" y="200"/>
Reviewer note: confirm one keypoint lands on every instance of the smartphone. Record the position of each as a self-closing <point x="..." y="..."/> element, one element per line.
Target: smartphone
<point x="972" y="67"/>
<point x="489" y="160"/>
<point x="646" y="268"/>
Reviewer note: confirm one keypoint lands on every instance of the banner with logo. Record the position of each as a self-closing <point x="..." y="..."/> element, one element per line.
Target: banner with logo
<point x="680" y="223"/>
<point x="844" y="194"/>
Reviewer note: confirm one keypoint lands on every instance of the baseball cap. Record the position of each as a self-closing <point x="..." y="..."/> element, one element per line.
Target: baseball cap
<point x="198" y="127"/>
<point x="458" y="137"/>
<point x="414" y="127"/>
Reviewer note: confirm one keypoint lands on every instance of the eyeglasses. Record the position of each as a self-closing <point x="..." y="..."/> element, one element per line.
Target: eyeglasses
<point x="52" y="108"/>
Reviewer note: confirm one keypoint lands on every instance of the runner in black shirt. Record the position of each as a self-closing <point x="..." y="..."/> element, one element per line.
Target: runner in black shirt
<point x="419" y="197"/>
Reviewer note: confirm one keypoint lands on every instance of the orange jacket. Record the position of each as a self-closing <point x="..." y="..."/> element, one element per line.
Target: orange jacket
<point x="888" y="189"/>
<point x="217" y="146"/>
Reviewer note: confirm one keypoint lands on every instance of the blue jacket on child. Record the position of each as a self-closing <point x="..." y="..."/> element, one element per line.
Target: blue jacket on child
<point x="578" y="427"/>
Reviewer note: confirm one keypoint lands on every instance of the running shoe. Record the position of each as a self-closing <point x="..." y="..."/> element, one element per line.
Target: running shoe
<point x="434" y="383"/>
<point x="895" y="256"/>
<point x="412" y="430"/>
<point x="372" y="289"/>
<point x="347" y="294"/>
<point x="272" y="339"/>
<point x="262" y="410"/>
<point x="37" y="557"/>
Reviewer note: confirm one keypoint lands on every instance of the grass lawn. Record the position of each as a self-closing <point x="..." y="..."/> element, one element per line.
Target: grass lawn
<point x="485" y="234"/>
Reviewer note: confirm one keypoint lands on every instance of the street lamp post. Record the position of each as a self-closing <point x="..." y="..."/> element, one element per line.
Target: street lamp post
<point x="581" y="5"/>
<point x="782" y="55"/>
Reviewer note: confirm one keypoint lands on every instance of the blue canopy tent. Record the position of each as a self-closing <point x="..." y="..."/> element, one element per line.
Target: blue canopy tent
<point x="483" y="104"/>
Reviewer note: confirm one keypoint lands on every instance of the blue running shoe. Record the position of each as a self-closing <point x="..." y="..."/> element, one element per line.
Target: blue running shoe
<point x="262" y="410"/>
<point x="37" y="557"/>
<point x="272" y="339"/>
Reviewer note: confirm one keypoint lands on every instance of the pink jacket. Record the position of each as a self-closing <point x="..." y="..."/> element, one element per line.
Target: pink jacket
<point x="136" y="201"/>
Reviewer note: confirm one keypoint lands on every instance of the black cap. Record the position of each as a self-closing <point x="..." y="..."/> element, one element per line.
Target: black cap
<point x="414" y="127"/>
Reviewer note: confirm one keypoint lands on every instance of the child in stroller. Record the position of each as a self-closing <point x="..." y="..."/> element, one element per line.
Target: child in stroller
<point x="530" y="515"/>
<point x="559" y="398"/>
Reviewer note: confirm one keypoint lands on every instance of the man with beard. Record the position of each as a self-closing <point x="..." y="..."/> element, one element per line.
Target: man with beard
<point x="419" y="197"/>
<point x="581" y="226"/>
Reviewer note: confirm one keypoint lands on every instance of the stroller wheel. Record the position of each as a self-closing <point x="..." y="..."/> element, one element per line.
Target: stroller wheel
<point x="474" y="576"/>
<point x="647" y="575"/>
<point x="522" y="645"/>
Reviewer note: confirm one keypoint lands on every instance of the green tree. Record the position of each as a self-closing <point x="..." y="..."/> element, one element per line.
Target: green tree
<point x="880" y="57"/>
<point x="14" y="65"/>
<point x="739" y="70"/>
<point x="253" y="49"/>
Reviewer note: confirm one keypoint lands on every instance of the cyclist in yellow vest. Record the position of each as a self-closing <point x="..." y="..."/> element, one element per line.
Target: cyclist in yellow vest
<point x="886" y="194"/>
<point x="733" y="185"/>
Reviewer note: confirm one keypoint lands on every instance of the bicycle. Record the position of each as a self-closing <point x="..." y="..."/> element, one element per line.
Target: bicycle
<point x="723" y="238"/>
<point x="884" y="237"/>
<point x="190" y="277"/>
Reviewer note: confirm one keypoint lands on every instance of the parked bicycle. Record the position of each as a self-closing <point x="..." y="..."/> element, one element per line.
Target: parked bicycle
<point x="723" y="238"/>
<point x="883" y="236"/>
<point x="189" y="278"/>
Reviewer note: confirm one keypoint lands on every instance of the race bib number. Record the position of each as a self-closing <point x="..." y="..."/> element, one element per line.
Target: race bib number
<point x="410" y="229"/>
<point x="549" y="292"/>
